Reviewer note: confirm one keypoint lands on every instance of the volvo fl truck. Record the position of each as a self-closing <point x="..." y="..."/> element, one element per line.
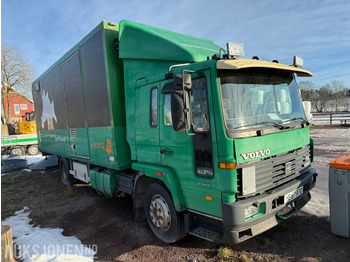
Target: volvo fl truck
<point x="205" y="142"/>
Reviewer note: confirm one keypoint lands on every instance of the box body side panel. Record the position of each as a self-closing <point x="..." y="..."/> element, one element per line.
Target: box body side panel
<point x="98" y="127"/>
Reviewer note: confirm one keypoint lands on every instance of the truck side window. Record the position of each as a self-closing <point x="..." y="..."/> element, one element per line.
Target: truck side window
<point x="199" y="105"/>
<point x="154" y="106"/>
<point x="167" y="110"/>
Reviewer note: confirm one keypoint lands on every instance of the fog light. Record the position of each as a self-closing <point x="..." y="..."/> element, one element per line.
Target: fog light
<point x="251" y="210"/>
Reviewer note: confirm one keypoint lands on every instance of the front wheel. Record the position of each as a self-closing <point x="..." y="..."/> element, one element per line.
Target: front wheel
<point x="166" y="223"/>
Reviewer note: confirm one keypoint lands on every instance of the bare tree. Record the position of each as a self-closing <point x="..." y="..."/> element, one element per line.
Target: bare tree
<point x="307" y="89"/>
<point x="16" y="75"/>
<point x="338" y="92"/>
<point x="323" y="96"/>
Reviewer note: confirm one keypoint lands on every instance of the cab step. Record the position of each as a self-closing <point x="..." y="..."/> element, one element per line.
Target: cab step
<point x="205" y="233"/>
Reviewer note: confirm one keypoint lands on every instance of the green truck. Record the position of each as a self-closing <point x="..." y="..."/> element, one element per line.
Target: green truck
<point x="206" y="143"/>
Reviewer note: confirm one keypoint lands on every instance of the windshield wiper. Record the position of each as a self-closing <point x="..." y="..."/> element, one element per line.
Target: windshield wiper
<point x="280" y="127"/>
<point x="304" y="121"/>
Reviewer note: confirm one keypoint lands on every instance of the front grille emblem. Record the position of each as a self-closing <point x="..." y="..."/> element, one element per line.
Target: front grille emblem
<point x="256" y="154"/>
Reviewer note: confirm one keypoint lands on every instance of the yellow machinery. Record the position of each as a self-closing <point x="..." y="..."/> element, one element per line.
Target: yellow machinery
<point x="28" y="127"/>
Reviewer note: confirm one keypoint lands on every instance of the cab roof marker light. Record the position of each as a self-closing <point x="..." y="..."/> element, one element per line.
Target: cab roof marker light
<point x="235" y="50"/>
<point x="298" y="61"/>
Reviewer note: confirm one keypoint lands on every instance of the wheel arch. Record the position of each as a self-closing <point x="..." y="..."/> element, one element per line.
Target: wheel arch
<point x="151" y="173"/>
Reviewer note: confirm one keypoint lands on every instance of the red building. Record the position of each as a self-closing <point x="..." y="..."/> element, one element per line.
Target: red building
<point x="19" y="105"/>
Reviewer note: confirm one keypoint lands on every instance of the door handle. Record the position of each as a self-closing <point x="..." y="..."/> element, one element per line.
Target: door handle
<point x="166" y="152"/>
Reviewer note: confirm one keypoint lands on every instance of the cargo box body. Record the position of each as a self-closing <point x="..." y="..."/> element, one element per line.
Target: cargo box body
<point x="79" y="103"/>
<point x="86" y="102"/>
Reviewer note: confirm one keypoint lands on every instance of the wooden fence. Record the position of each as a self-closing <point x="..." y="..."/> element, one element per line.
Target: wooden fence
<point x="342" y="118"/>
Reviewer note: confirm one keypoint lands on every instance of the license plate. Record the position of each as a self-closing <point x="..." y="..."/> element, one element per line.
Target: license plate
<point x="293" y="195"/>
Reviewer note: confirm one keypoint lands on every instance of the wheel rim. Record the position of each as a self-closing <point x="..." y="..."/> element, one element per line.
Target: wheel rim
<point x="160" y="213"/>
<point x="33" y="150"/>
<point x="17" y="151"/>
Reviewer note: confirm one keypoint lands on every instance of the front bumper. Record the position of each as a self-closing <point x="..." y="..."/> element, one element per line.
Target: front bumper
<point x="237" y="228"/>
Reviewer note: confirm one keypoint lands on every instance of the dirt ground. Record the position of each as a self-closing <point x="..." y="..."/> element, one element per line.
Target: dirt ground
<point x="108" y="223"/>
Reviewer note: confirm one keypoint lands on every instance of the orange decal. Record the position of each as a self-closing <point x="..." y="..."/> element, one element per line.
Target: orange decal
<point x="108" y="146"/>
<point x="97" y="145"/>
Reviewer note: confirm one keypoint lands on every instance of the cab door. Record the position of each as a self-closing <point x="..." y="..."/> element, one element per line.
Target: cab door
<point x="147" y="124"/>
<point x="191" y="156"/>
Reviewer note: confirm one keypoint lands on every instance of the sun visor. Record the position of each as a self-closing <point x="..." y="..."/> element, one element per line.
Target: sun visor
<point x="249" y="63"/>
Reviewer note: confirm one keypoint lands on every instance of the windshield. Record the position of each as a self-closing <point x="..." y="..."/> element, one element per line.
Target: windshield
<point x="259" y="97"/>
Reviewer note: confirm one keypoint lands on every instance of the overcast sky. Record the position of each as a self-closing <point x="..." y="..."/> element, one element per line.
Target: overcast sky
<point x="316" y="30"/>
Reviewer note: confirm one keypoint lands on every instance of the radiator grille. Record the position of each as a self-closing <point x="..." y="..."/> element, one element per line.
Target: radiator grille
<point x="277" y="170"/>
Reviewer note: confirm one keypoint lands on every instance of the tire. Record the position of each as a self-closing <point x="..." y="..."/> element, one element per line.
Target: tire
<point x="166" y="223"/>
<point x="17" y="151"/>
<point x="63" y="166"/>
<point x="33" y="150"/>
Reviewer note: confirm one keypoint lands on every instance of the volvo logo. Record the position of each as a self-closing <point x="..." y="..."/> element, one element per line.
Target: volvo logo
<point x="256" y="154"/>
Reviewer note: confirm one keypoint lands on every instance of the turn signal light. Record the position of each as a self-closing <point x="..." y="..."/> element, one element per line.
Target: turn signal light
<point x="227" y="165"/>
<point x="209" y="198"/>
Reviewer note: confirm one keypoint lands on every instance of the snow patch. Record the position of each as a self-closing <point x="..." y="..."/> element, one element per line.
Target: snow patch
<point x="336" y="143"/>
<point x="26" y="170"/>
<point x="34" y="159"/>
<point x="45" y="244"/>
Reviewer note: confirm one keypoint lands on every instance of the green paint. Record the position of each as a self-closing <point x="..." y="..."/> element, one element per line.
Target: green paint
<point x="79" y="145"/>
<point x="55" y="142"/>
<point x="142" y="42"/>
<point x="262" y="210"/>
<point x="104" y="181"/>
<point x="168" y="177"/>
<point x="18" y="141"/>
<point x="277" y="143"/>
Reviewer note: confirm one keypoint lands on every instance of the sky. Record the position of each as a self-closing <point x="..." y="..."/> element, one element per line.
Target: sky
<point x="316" y="30"/>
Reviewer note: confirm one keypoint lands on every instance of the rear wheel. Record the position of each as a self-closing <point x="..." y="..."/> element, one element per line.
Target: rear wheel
<point x="63" y="166"/>
<point x="17" y="151"/>
<point x="33" y="150"/>
<point x="166" y="223"/>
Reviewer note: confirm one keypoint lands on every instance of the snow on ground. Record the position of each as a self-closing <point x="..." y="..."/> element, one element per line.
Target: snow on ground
<point x="26" y="170"/>
<point x="30" y="160"/>
<point x="45" y="244"/>
<point x="33" y="159"/>
<point x="335" y="143"/>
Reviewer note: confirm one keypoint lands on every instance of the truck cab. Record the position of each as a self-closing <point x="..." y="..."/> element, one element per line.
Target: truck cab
<point x="234" y="132"/>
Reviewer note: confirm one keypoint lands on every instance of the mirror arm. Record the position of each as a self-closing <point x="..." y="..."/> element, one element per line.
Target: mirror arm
<point x="186" y="110"/>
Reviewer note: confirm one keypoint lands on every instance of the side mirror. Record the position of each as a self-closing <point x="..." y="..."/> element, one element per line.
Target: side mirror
<point x="180" y="110"/>
<point x="183" y="80"/>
